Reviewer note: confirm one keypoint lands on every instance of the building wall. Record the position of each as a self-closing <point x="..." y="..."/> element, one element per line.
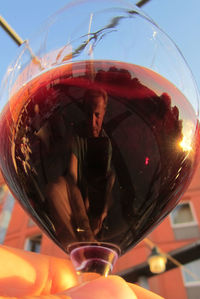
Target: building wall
<point x="21" y="227"/>
<point x="169" y="285"/>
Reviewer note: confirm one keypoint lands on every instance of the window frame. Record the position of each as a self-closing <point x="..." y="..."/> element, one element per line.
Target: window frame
<point x="195" y="283"/>
<point x="31" y="238"/>
<point x="185" y="224"/>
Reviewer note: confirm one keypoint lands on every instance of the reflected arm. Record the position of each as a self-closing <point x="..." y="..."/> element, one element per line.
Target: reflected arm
<point x="77" y="201"/>
<point x="73" y="166"/>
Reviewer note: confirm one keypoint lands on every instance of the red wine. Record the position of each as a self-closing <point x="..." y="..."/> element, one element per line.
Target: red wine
<point x="94" y="151"/>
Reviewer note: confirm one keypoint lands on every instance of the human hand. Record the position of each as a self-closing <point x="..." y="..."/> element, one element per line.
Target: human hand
<point x="27" y="275"/>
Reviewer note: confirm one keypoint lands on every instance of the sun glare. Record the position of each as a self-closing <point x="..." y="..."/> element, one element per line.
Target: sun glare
<point x="188" y="132"/>
<point x="185" y="144"/>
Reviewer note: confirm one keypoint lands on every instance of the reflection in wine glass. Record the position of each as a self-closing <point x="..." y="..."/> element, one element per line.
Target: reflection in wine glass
<point x="85" y="189"/>
<point x="99" y="143"/>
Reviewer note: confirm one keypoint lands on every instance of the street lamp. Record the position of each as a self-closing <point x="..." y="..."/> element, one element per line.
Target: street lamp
<point x="157" y="261"/>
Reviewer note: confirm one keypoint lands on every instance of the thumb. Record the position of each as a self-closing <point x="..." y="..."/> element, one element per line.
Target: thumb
<point x="104" y="287"/>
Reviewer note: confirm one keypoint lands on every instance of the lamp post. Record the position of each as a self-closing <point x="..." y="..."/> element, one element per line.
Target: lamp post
<point x="11" y="32"/>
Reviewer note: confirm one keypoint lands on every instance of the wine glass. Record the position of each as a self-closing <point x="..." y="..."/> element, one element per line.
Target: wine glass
<point x="99" y="129"/>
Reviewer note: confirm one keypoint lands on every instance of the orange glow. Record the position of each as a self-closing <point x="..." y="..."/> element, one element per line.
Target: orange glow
<point x="143" y="293"/>
<point x="15" y="266"/>
<point x="61" y="274"/>
<point x="32" y="274"/>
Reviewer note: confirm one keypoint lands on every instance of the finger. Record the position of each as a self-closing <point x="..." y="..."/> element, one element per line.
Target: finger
<point x="143" y="293"/>
<point x="111" y="287"/>
<point x="26" y="273"/>
<point x="38" y="297"/>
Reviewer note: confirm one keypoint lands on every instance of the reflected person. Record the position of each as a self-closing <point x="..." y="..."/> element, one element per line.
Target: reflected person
<point x="90" y="163"/>
<point x="80" y="200"/>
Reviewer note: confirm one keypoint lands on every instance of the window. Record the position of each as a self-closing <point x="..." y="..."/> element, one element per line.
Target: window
<point x="33" y="243"/>
<point x="192" y="282"/>
<point x="184" y="222"/>
<point x="183" y="215"/>
<point x="193" y="267"/>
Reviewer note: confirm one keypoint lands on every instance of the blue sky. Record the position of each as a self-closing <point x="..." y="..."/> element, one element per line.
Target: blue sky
<point x="179" y="19"/>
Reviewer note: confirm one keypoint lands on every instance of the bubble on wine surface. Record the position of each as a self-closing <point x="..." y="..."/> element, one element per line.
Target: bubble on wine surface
<point x="100" y="133"/>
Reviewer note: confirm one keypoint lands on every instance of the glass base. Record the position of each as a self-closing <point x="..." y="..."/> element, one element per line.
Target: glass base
<point x="92" y="259"/>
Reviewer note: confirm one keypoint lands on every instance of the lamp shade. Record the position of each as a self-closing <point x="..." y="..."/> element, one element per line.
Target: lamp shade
<point x="157" y="261"/>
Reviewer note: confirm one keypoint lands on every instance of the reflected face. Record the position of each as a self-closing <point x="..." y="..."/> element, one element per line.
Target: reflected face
<point x="95" y="111"/>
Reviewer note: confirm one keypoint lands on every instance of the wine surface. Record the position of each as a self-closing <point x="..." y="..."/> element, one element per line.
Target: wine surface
<point x="98" y="151"/>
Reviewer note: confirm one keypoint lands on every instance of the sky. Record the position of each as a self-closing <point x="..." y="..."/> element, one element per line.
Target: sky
<point x="179" y="19"/>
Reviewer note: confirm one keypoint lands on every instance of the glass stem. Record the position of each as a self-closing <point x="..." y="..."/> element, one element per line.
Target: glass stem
<point x="91" y="261"/>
